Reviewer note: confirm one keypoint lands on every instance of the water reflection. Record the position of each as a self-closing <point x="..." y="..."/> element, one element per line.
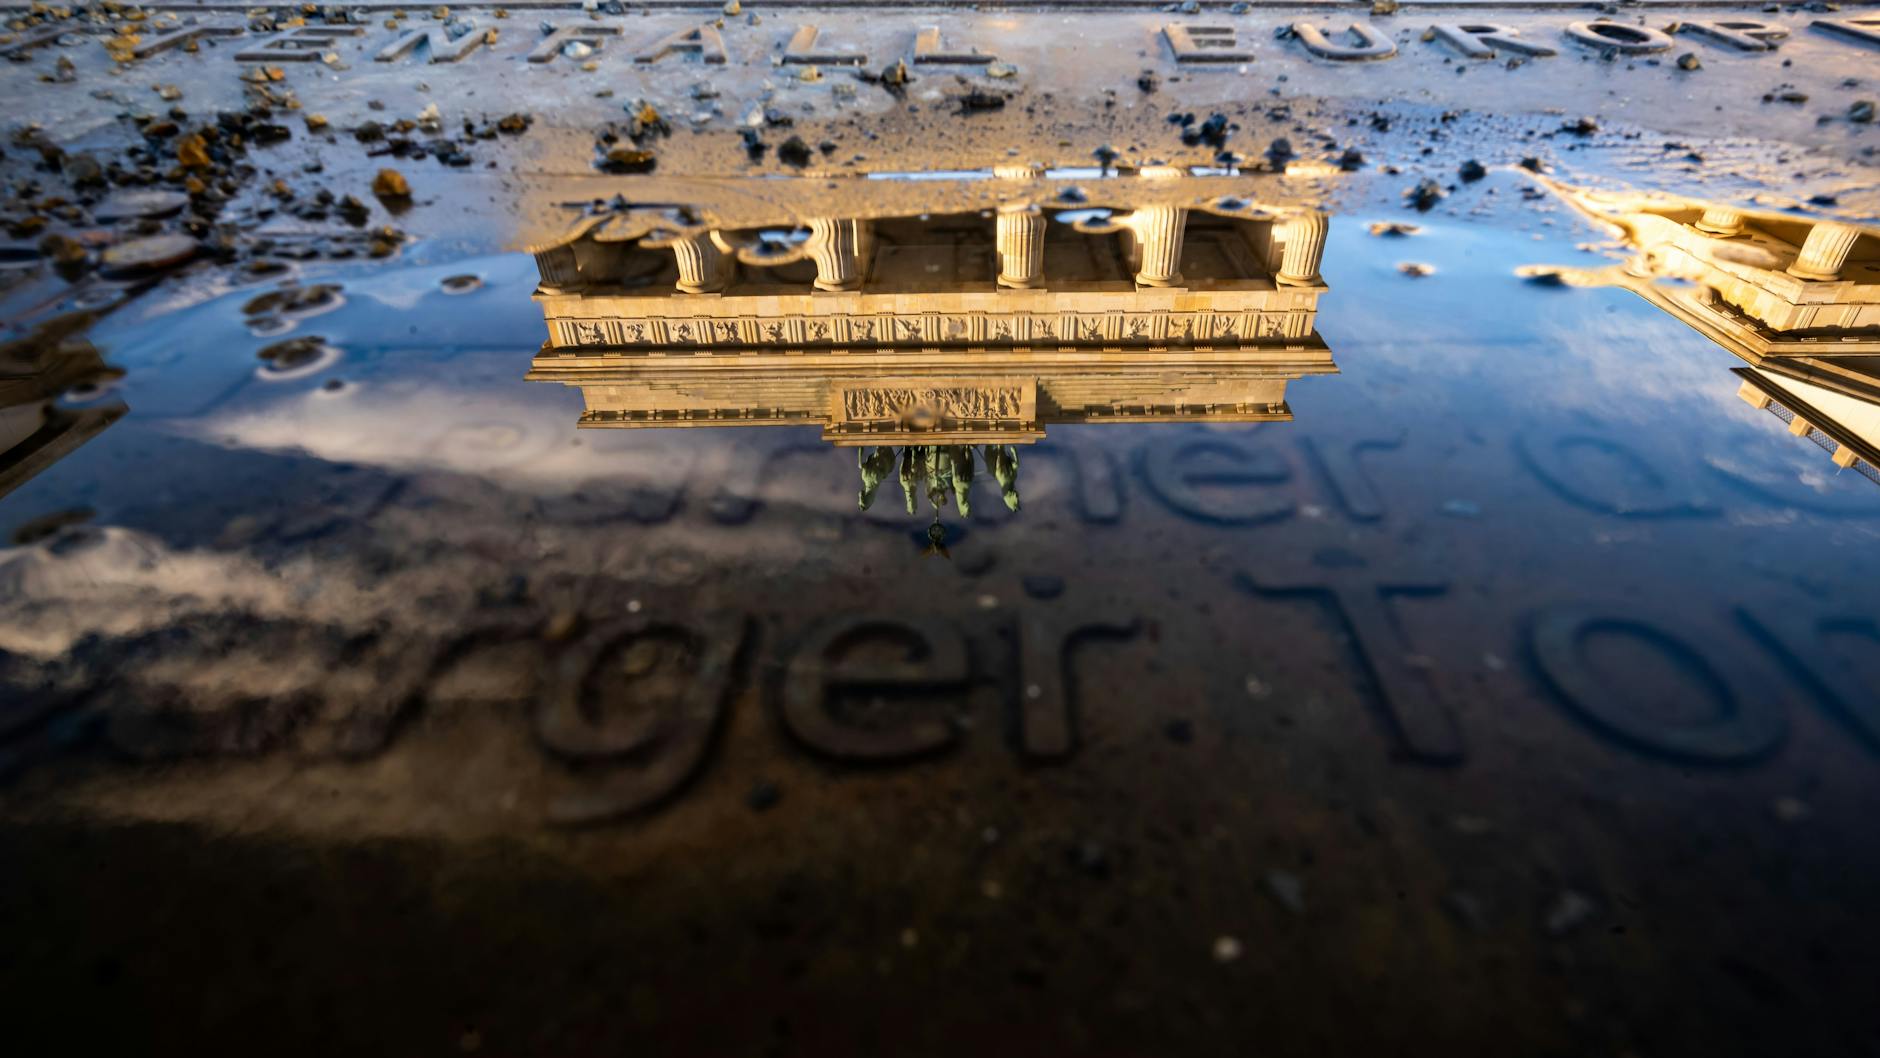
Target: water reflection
<point x="1797" y="299"/>
<point x="54" y="396"/>
<point x="939" y="342"/>
<point x="1522" y="601"/>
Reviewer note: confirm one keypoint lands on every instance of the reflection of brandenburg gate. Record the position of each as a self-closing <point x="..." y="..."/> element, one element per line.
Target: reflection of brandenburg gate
<point x="941" y="327"/>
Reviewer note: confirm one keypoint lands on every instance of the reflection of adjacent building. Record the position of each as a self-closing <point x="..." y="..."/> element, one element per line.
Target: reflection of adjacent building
<point x="37" y="429"/>
<point x="1835" y="412"/>
<point x="1797" y="299"/>
<point x="937" y="328"/>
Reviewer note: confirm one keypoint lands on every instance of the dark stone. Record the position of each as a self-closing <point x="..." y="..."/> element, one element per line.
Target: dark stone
<point x="754" y="145"/>
<point x="292" y="353"/>
<point x="794" y="152"/>
<point x="978" y="101"/>
<point x="893" y="79"/>
<point x="1212" y="132"/>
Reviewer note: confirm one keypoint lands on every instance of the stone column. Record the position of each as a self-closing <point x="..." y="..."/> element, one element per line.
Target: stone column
<point x="1020" y="242"/>
<point x="558" y="269"/>
<point x="837" y="247"/>
<point x="703" y="267"/>
<point x="1158" y="231"/>
<point x="1019" y="237"/>
<point x="1301" y="249"/>
<point x="1718" y="220"/>
<point x="1825" y="251"/>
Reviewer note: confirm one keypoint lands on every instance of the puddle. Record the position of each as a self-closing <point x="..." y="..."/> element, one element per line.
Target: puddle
<point x="1247" y="575"/>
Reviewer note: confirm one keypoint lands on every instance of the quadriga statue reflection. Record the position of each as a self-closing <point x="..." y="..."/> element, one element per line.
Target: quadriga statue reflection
<point x="940" y="471"/>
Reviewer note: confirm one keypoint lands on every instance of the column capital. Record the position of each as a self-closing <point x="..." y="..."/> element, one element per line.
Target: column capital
<point x="1721" y="220"/>
<point x="1302" y="248"/>
<point x="1824" y="253"/>
<point x="838" y="247"/>
<point x="1158" y="232"/>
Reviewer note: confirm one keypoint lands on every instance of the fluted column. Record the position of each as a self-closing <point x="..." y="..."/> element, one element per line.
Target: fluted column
<point x="1158" y="231"/>
<point x="1302" y="249"/>
<point x="837" y="247"/>
<point x="1717" y="220"/>
<point x="703" y="267"/>
<point x="1019" y="237"/>
<point x="558" y="269"/>
<point x="1020" y="242"/>
<point x="1825" y="251"/>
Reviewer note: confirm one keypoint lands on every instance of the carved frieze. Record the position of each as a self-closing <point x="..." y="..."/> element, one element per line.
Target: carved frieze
<point x="896" y="404"/>
<point x="936" y="329"/>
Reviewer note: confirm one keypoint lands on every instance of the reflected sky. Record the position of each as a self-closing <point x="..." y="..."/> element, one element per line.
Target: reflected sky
<point x="1524" y="598"/>
<point x="418" y="377"/>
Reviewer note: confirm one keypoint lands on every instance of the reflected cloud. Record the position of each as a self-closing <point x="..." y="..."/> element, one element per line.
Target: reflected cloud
<point x="412" y="427"/>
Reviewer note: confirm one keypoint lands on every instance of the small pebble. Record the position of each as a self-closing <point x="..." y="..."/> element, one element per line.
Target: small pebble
<point x="390" y="183"/>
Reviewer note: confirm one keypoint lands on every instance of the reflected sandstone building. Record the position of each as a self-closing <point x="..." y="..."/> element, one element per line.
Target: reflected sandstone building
<point x="36" y="428"/>
<point x="943" y="328"/>
<point x="1797" y="299"/>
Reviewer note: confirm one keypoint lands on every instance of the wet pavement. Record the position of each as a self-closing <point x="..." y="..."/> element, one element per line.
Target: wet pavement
<point x="430" y="627"/>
